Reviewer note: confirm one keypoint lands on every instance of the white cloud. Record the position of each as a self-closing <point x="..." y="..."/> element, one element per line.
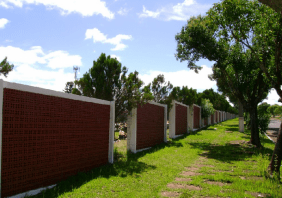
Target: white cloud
<point x="115" y="56"/>
<point x="100" y="37"/>
<point x="32" y="66"/>
<point x="83" y="7"/>
<point x="147" y="13"/>
<point x="54" y="60"/>
<point x="123" y="11"/>
<point x="181" y="78"/>
<point x="3" y="22"/>
<point x="180" y="12"/>
<point x="61" y="59"/>
<point x="272" y="98"/>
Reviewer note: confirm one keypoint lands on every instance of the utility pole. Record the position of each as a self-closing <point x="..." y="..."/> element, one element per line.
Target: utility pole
<point x="75" y="68"/>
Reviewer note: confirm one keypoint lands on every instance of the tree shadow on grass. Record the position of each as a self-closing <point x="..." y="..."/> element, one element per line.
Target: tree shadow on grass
<point x="230" y="152"/>
<point x="121" y="168"/>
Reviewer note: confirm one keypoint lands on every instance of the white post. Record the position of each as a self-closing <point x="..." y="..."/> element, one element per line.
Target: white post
<point x="172" y="120"/>
<point x="1" y="123"/>
<point x="132" y="130"/>
<point x="200" y="117"/>
<point x="188" y="119"/>
<point x="191" y="118"/>
<point x="112" y="132"/>
<point x="165" y="122"/>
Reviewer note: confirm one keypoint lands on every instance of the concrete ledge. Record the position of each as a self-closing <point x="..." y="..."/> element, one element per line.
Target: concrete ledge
<point x="140" y="150"/>
<point x="32" y="192"/>
<point x="177" y="136"/>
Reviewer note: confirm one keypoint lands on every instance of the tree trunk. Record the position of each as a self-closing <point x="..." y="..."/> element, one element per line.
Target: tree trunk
<point x="275" y="162"/>
<point x="254" y="128"/>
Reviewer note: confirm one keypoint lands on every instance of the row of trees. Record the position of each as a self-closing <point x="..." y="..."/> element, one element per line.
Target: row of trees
<point x="244" y="40"/>
<point x="108" y="80"/>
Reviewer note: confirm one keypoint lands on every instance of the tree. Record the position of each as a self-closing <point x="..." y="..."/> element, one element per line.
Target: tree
<point x="206" y="108"/>
<point x="234" y="70"/>
<point x="272" y="108"/>
<point x="108" y="80"/>
<point x="274" y="4"/>
<point x="278" y="110"/>
<point x="129" y="95"/>
<point x="218" y="101"/>
<point x="259" y="29"/>
<point x="262" y="108"/>
<point x="184" y="95"/>
<point x="5" y="67"/>
<point x="68" y="87"/>
<point x="160" y="88"/>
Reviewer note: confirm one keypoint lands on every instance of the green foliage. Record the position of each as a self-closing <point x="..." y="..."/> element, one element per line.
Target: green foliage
<point x="218" y="100"/>
<point x="262" y="108"/>
<point x="263" y="117"/>
<point x="206" y="108"/>
<point x="5" y="67"/>
<point x="103" y="78"/>
<point x="278" y="110"/>
<point x="184" y="95"/>
<point x="76" y="91"/>
<point x="108" y="80"/>
<point x="68" y="88"/>
<point x="272" y="108"/>
<point x="160" y="88"/>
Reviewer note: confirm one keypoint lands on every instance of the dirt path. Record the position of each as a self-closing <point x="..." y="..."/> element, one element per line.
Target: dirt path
<point x="273" y="128"/>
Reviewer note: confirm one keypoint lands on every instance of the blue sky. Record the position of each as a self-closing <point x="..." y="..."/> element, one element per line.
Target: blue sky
<point x="44" y="39"/>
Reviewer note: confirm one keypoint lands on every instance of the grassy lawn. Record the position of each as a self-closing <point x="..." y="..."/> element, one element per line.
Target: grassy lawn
<point x="208" y="163"/>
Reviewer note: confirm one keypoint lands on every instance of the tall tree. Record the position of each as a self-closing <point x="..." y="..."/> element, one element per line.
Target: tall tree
<point x="160" y="88"/>
<point x="257" y="28"/>
<point x="234" y="70"/>
<point x="184" y="95"/>
<point x="5" y="67"/>
<point x="108" y="80"/>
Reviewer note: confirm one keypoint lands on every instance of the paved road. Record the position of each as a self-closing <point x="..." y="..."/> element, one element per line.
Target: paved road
<point x="273" y="129"/>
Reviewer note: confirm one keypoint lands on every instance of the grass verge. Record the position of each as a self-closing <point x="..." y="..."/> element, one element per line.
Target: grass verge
<point x="214" y="162"/>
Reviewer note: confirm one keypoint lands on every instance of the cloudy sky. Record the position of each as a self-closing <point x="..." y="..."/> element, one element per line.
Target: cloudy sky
<point x="44" y="39"/>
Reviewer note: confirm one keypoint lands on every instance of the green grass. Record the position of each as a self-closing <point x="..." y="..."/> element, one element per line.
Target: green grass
<point x="146" y="174"/>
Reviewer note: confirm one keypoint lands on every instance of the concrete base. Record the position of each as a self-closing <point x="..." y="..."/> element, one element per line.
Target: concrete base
<point x="241" y="124"/>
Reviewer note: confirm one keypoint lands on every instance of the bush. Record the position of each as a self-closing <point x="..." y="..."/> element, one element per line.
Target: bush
<point x="263" y="122"/>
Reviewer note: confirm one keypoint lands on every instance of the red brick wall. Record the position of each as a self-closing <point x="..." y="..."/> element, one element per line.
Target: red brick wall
<point x="47" y="139"/>
<point x="206" y="121"/>
<point x="180" y="119"/>
<point x="150" y="126"/>
<point x="196" y="117"/>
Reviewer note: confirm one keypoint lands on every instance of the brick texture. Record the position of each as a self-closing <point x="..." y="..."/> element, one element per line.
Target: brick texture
<point x="150" y="125"/>
<point x="196" y="117"/>
<point x="180" y="119"/>
<point x="206" y="121"/>
<point x="47" y="139"/>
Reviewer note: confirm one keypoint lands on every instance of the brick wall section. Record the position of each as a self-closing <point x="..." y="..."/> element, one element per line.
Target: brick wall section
<point x="47" y="139"/>
<point x="150" y="125"/>
<point x="180" y="119"/>
<point x="219" y="117"/>
<point x="196" y="117"/>
<point x="216" y="117"/>
<point x="206" y="121"/>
